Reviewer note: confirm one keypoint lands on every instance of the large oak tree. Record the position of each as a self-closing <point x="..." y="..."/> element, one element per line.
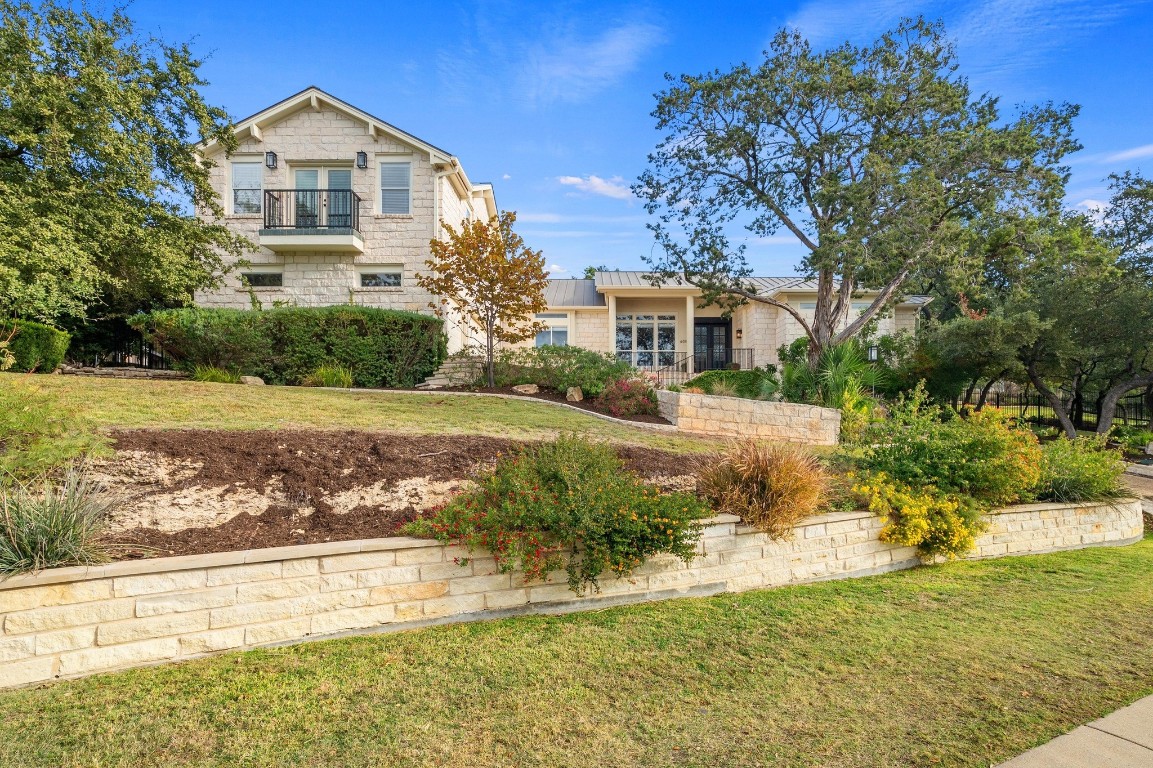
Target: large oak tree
<point x="872" y="157"/>
<point x="98" y="175"/>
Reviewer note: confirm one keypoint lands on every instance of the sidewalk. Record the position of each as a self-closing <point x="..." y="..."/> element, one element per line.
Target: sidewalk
<point x="1123" y="739"/>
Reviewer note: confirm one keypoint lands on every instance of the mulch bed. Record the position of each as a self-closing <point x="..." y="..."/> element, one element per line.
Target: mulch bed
<point x="310" y="464"/>
<point x="557" y="397"/>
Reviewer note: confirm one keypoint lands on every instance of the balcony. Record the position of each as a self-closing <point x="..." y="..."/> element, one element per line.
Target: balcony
<point x="311" y="220"/>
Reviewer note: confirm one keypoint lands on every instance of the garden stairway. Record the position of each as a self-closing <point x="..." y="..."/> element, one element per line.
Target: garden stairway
<point x="455" y="372"/>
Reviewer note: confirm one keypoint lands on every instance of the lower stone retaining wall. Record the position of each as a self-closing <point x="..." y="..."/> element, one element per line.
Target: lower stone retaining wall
<point x="69" y="622"/>
<point x="740" y="417"/>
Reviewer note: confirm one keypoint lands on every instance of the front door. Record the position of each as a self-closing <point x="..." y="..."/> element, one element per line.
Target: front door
<point x="711" y="344"/>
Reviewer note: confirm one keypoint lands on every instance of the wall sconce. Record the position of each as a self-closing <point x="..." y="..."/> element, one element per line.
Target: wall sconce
<point x="361" y="159"/>
<point x="874" y="353"/>
<point x="270" y="159"/>
<point x="740" y="334"/>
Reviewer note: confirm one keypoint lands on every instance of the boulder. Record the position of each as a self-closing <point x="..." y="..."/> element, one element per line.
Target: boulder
<point x="252" y="381"/>
<point x="526" y="389"/>
<point x="574" y="395"/>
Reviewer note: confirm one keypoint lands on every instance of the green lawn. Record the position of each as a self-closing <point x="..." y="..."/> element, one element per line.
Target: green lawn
<point x="186" y="404"/>
<point x="958" y="665"/>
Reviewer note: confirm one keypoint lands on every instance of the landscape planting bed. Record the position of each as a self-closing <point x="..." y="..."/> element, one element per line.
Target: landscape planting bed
<point x="190" y="492"/>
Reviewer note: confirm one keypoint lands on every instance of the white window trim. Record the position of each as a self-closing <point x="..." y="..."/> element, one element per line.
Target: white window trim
<point x="394" y="160"/>
<point x="371" y="269"/>
<point x="231" y="202"/>
<point x="659" y="318"/>
<point x="557" y="320"/>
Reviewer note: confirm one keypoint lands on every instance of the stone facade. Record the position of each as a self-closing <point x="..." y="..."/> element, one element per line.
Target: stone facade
<point x="70" y="622"/>
<point x="739" y="417"/>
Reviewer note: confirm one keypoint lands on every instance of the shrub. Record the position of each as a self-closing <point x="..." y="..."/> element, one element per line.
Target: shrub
<point x="749" y="384"/>
<point x="212" y="374"/>
<point x="772" y="486"/>
<point x="627" y="397"/>
<point x="1083" y="469"/>
<point x="34" y="347"/>
<point x="569" y="504"/>
<point x="1132" y="439"/>
<point x="383" y="348"/>
<point x="330" y="376"/>
<point x="985" y="456"/>
<point x="558" y="368"/>
<point x="45" y="524"/>
<point x="37" y="434"/>
<point x="936" y="523"/>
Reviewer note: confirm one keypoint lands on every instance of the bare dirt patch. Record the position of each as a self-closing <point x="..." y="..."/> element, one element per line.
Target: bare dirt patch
<point x="197" y="491"/>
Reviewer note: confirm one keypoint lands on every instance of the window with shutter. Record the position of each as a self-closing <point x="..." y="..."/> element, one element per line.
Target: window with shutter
<point x="246" y="178"/>
<point x="396" y="187"/>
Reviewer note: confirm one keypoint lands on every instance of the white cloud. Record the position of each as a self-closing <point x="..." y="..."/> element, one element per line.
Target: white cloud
<point x="506" y="177"/>
<point x="1095" y="208"/>
<point x="568" y="218"/>
<point x="555" y="269"/>
<point x="614" y="187"/>
<point x="831" y="22"/>
<point x="1134" y="153"/>
<point x="566" y="66"/>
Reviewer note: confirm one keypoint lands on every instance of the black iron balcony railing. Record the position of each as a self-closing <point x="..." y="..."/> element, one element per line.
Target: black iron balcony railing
<point x="335" y="211"/>
<point x="723" y="359"/>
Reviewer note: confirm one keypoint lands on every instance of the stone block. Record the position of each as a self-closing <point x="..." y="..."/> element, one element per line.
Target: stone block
<point x="211" y="642"/>
<point x="54" y="594"/>
<point x="65" y="640"/>
<point x="453" y="606"/>
<point x="28" y="671"/>
<point x="353" y="618"/>
<point x="243" y="574"/>
<point x="308" y="566"/>
<point x="384" y="576"/>
<point x="278" y="589"/>
<point x="278" y="631"/>
<point x="682" y="579"/>
<point x="434" y="553"/>
<point x="409" y="611"/>
<point x="339" y="581"/>
<point x="67" y="616"/>
<point x="448" y="570"/>
<point x="473" y="584"/>
<point x="168" y="625"/>
<point x="509" y="598"/>
<point x="118" y="656"/>
<point x="155" y="583"/>
<point x="359" y="561"/>
<point x="182" y="602"/>
<point x="15" y="648"/>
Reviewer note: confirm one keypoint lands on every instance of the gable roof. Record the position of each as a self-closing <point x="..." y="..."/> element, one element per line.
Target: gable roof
<point x="315" y="97"/>
<point x="573" y="293"/>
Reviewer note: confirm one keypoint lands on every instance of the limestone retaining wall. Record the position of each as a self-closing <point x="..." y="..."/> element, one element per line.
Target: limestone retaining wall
<point x="739" y="417"/>
<point x="70" y="622"/>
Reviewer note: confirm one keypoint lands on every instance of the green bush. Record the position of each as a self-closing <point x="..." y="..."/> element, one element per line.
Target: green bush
<point x="627" y="397"/>
<point x="38" y="435"/>
<point x="558" y="368"/>
<point x="330" y="376"/>
<point x="985" y="456"/>
<point x="214" y="375"/>
<point x="34" y="347"/>
<point x="1132" y="439"/>
<point x="48" y="524"/>
<point x="753" y="384"/>
<point x="1083" y="469"/>
<point x="286" y="345"/>
<point x="569" y="504"/>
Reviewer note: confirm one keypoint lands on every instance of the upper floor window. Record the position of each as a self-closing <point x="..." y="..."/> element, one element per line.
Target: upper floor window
<point x="396" y="187"/>
<point x="246" y="178"/>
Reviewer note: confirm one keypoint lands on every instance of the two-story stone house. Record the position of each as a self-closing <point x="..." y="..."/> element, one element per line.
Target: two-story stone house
<point x="343" y="206"/>
<point x="341" y="203"/>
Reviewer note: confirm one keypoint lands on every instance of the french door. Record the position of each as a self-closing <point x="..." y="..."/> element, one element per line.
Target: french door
<point x="323" y="197"/>
<point x="710" y="345"/>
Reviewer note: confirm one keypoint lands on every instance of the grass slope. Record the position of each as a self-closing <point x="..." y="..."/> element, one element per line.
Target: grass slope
<point x="187" y="404"/>
<point x="958" y="665"/>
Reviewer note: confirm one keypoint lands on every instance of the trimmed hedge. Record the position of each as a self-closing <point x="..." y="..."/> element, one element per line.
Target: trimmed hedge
<point x="36" y="347"/>
<point x="382" y="347"/>
<point x="747" y="383"/>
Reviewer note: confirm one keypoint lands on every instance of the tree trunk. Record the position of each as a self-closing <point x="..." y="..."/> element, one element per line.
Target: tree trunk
<point x="1113" y="395"/>
<point x="490" y="357"/>
<point x="1054" y="401"/>
<point x="969" y="391"/>
<point x="988" y="386"/>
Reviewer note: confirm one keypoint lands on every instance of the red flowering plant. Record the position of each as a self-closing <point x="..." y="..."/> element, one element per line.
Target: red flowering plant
<point x="569" y="504"/>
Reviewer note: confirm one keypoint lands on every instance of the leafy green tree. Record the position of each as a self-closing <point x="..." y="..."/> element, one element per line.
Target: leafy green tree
<point x="873" y="158"/>
<point x="97" y="167"/>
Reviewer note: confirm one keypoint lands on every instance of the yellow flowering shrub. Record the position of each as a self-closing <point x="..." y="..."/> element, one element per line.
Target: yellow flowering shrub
<point x="934" y="522"/>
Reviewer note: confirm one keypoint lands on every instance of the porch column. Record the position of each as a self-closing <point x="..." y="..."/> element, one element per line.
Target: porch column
<point x="612" y="300"/>
<point x="690" y="317"/>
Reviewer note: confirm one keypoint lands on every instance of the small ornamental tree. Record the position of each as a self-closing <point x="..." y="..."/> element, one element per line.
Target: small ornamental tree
<point x="485" y="272"/>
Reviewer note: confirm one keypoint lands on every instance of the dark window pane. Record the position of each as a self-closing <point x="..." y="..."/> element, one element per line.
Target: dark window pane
<point x="379" y="279"/>
<point x="263" y="279"/>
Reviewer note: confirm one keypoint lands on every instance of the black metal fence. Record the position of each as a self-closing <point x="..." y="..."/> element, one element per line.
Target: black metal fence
<point x="1132" y="410"/>
<point x="130" y="350"/>
<point x="717" y="360"/>
<point x="323" y="209"/>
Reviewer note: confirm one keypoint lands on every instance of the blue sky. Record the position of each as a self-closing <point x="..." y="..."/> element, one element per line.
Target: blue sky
<point x="551" y="101"/>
